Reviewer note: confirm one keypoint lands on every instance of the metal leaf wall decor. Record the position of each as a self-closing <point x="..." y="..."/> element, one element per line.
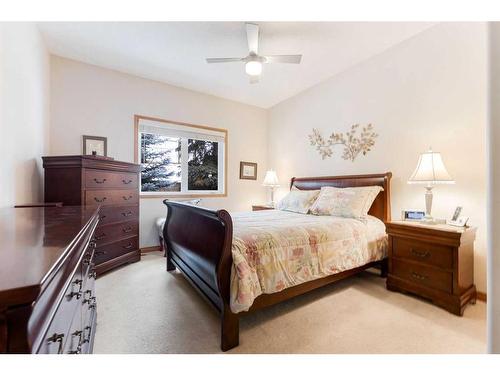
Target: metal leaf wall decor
<point x="353" y="144"/>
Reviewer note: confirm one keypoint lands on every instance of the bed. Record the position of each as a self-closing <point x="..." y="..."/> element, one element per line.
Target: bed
<point x="202" y="244"/>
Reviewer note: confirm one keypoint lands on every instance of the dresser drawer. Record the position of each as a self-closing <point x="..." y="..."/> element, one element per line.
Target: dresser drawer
<point x="107" y="197"/>
<point x="89" y="301"/>
<point x="116" y="249"/>
<point x="112" y="232"/>
<point x="89" y="326"/>
<point x="58" y="333"/>
<point x="110" y="180"/>
<point x="114" y="214"/>
<point x="88" y="263"/>
<point x="75" y="335"/>
<point x="436" y="255"/>
<point x="423" y="275"/>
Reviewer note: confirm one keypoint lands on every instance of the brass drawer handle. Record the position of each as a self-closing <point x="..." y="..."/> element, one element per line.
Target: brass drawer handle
<point x="57" y="338"/>
<point x="129" y="246"/>
<point x="78" y="293"/>
<point x="420" y="254"/>
<point x="87" y="339"/>
<point x="99" y="182"/>
<point x="418" y="276"/>
<point x="128" y="213"/>
<point x="79" y="346"/>
<point x="99" y="200"/>
<point x="93" y="303"/>
<point x="126" y="182"/>
<point x="127" y="198"/>
<point x="127" y="230"/>
<point x="100" y="253"/>
<point x="75" y="294"/>
<point x="90" y="299"/>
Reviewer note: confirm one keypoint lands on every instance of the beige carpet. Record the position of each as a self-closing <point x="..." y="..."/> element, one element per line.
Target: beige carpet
<point x="144" y="309"/>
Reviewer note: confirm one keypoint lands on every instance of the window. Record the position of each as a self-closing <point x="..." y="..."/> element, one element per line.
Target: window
<point x="180" y="159"/>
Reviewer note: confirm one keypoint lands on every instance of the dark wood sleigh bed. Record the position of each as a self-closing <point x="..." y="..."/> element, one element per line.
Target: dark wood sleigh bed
<point x="198" y="243"/>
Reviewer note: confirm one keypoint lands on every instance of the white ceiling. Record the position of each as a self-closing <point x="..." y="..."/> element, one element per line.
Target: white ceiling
<point x="175" y="52"/>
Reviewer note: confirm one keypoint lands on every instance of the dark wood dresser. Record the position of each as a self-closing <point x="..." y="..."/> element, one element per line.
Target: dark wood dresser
<point x="114" y="185"/>
<point x="47" y="276"/>
<point x="433" y="261"/>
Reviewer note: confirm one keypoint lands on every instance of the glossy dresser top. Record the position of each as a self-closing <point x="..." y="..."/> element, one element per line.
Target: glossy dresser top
<point x="33" y="240"/>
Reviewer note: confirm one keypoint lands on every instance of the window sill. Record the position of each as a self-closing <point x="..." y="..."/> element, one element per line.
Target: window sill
<point x="172" y="196"/>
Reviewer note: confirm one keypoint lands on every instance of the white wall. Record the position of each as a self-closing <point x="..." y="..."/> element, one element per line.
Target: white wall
<point x="89" y="100"/>
<point x="427" y="91"/>
<point x="493" y="189"/>
<point x="24" y="112"/>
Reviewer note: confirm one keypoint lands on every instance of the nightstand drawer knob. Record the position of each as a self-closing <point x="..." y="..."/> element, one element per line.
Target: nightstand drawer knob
<point x="420" y="254"/>
<point x="418" y="276"/>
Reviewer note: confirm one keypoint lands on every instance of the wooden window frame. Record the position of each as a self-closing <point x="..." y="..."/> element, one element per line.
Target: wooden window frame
<point x="137" y="118"/>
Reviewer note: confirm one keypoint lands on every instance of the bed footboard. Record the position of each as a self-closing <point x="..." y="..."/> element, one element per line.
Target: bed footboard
<point x="198" y="243"/>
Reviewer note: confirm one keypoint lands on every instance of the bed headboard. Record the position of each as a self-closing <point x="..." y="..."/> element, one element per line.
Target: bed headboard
<point x="381" y="207"/>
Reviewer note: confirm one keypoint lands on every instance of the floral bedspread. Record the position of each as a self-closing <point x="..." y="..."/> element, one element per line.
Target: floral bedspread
<point x="273" y="250"/>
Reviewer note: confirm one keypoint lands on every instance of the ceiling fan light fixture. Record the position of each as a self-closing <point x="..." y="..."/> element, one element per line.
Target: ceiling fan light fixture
<point x="253" y="68"/>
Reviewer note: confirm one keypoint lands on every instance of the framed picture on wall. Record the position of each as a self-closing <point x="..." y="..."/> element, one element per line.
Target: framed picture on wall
<point x="248" y="171"/>
<point x="96" y="146"/>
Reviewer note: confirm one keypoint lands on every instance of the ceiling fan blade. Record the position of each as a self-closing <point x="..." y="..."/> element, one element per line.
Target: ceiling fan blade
<point x="223" y="59"/>
<point x="253" y="37"/>
<point x="254" y="79"/>
<point x="288" y="59"/>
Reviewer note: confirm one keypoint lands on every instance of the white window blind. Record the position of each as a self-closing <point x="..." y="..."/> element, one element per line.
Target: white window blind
<point x="180" y="131"/>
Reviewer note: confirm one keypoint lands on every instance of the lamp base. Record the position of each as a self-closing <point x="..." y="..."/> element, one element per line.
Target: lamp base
<point x="272" y="203"/>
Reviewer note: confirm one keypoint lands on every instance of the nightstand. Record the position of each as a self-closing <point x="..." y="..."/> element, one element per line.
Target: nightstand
<point x="260" y="207"/>
<point x="433" y="261"/>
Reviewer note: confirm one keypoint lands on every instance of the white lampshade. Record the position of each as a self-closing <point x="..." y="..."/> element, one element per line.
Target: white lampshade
<point x="271" y="179"/>
<point x="430" y="170"/>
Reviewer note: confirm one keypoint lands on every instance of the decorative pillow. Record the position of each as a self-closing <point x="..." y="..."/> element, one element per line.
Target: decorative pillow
<point x="345" y="202"/>
<point x="298" y="201"/>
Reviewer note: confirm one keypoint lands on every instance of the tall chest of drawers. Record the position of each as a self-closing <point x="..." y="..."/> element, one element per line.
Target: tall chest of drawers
<point x="47" y="299"/>
<point x="113" y="185"/>
<point x="433" y="261"/>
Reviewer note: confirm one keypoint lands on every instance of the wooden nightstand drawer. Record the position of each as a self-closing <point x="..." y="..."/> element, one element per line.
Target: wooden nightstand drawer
<point x="423" y="275"/>
<point x="428" y="253"/>
<point x="261" y="208"/>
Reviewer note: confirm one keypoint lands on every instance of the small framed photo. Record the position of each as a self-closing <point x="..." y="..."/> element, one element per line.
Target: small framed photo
<point x="248" y="171"/>
<point x="96" y="146"/>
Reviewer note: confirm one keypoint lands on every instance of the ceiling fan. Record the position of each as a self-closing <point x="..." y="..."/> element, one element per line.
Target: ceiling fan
<point x="253" y="62"/>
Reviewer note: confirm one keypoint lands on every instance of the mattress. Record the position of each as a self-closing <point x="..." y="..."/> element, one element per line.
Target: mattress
<point x="273" y="250"/>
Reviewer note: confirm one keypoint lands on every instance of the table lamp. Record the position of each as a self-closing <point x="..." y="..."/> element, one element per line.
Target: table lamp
<point x="271" y="180"/>
<point x="430" y="171"/>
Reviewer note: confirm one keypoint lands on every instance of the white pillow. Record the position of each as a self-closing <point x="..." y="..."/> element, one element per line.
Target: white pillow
<point x="352" y="202"/>
<point x="298" y="201"/>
